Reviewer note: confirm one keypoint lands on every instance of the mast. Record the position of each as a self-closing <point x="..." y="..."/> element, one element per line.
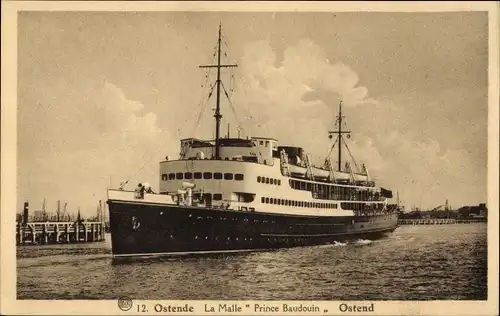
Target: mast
<point x="339" y="133"/>
<point x="44" y="215"/>
<point x="217" y="114"/>
<point x="58" y="211"/>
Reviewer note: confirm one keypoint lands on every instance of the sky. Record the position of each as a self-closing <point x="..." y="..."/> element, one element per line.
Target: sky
<point x="104" y="96"/>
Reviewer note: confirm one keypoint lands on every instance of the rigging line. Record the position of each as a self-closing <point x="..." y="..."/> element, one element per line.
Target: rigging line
<point x="202" y="110"/>
<point x="207" y="75"/>
<point x="245" y="108"/>
<point x="224" y="39"/>
<point x="201" y="104"/>
<point x="352" y="157"/>
<point x="123" y="183"/>
<point x="146" y="153"/>
<point x="233" y="108"/>
<point x="248" y="114"/>
<point x="331" y="148"/>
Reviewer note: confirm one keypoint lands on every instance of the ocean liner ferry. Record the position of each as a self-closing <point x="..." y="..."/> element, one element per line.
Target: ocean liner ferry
<point x="248" y="194"/>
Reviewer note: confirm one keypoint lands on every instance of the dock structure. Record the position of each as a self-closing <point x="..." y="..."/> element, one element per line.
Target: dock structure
<point x="43" y="233"/>
<point x="440" y="221"/>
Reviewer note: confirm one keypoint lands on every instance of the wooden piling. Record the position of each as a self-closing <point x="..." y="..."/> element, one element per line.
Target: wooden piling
<point x="58" y="232"/>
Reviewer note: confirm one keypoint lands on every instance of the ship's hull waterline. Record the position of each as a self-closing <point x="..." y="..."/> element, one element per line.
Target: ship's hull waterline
<point x="143" y="229"/>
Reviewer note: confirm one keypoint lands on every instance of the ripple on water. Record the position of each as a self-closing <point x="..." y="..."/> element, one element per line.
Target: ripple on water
<point x="414" y="263"/>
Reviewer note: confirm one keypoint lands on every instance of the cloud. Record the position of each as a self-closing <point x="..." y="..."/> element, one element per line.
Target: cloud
<point x="295" y="101"/>
<point x="424" y="173"/>
<point x="304" y="68"/>
<point x="101" y="132"/>
<point x="128" y="147"/>
<point x="276" y="98"/>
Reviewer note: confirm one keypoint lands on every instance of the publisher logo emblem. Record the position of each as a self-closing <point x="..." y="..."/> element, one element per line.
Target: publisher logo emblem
<point x="124" y="303"/>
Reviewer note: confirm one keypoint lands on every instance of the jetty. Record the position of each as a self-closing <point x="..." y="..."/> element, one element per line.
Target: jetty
<point x="440" y="221"/>
<point x="43" y="230"/>
<point x="43" y="233"/>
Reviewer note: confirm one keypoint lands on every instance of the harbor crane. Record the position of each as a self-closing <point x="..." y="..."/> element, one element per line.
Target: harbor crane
<point x="64" y="210"/>
<point x="437" y="208"/>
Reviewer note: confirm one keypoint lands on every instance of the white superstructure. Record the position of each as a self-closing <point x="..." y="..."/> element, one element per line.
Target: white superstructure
<point x="256" y="174"/>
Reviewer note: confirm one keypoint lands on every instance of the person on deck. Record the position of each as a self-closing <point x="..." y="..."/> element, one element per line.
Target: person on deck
<point x="139" y="191"/>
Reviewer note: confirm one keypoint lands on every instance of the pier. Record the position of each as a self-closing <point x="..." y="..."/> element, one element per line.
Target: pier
<point x="43" y="233"/>
<point x="440" y="221"/>
<point x="46" y="230"/>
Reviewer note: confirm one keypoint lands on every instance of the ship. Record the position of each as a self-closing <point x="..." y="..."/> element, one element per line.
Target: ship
<point x="239" y="194"/>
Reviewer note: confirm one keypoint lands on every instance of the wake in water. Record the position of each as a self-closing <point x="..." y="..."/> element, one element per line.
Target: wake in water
<point x="343" y="244"/>
<point x="363" y="242"/>
<point x="339" y="244"/>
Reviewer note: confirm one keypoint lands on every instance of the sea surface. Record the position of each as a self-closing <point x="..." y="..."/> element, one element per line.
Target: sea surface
<point x="444" y="262"/>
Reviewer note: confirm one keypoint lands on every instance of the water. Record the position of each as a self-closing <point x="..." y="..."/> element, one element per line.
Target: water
<point x="447" y="262"/>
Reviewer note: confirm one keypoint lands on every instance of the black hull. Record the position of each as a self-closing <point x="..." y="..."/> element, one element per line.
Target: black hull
<point x="139" y="229"/>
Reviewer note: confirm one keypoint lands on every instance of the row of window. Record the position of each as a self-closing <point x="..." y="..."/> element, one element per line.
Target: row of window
<point x="286" y="202"/>
<point x="267" y="180"/>
<point x="214" y="197"/>
<point x="361" y="206"/>
<point x="333" y="192"/>
<point x="202" y="175"/>
<point x="221" y="238"/>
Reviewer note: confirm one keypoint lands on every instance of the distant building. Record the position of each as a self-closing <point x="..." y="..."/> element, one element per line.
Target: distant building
<point x="38" y="215"/>
<point x="483" y="210"/>
<point x="474" y="211"/>
<point x="425" y="215"/>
